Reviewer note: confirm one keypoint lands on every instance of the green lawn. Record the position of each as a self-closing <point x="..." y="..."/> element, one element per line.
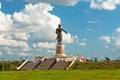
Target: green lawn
<point x="61" y="75"/>
<point x="95" y="66"/>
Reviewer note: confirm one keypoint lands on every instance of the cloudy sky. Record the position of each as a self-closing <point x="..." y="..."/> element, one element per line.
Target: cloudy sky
<point x="28" y="27"/>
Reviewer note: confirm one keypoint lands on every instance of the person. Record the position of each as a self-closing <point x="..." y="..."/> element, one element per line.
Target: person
<point x="59" y="34"/>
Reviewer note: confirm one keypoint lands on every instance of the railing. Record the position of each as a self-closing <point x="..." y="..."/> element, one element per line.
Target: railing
<point x="18" y="68"/>
<point x="71" y="63"/>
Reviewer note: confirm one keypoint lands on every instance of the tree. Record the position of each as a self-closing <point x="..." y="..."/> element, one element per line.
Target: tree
<point x="2" y="59"/>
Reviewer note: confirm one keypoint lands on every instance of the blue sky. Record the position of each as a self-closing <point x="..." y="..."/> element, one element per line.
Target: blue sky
<point x="27" y="27"/>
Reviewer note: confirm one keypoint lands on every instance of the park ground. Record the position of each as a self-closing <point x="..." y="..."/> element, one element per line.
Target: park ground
<point x="79" y="71"/>
<point x="61" y="75"/>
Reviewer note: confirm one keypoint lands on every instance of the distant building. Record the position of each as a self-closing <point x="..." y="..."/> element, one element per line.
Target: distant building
<point x="38" y="58"/>
<point x="81" y="58"/>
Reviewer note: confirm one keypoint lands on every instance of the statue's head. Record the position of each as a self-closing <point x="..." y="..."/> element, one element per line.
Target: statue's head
<point x="59" y="26"/>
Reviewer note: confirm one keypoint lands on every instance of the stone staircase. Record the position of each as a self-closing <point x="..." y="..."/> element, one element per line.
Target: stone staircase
<point x="47" y="64"/>
<point x="29" y="66"/>
<point x="60" y="65"/>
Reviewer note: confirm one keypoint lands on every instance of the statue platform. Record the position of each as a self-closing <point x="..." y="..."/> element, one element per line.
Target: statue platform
<point x="59" y="51"/>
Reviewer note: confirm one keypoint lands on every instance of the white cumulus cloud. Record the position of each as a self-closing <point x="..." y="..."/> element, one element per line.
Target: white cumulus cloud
<point x="104" y="4"/>
<point x="107" y="39"/>
<point x="44" y="45"/>
<point x="33" y="27"/>
<point x="82" y="44"/>
<point x="37" y="19"/>
<point x="9" y="51"/>
<point x="0" y="53"/>
<point x="24" y="54"/>
<point x="93" y="22"/>
<point x="21" y="36"/>
<point x="51" y="51"/>
<point x="12" y="43"/>
<point x="5" y="21"/>
<point x="62" y="2"/>
<point x="112" y="41"/>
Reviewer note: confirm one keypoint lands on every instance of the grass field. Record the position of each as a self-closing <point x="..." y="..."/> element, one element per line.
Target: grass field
<point x="95" y="66"/>
<point x="61" y="75"/>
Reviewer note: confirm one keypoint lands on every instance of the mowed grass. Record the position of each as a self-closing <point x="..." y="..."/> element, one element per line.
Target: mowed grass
<point x="61" y="75"/>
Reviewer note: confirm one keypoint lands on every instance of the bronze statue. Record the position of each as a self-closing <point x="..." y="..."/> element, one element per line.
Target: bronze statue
<point x="59" y="34"/>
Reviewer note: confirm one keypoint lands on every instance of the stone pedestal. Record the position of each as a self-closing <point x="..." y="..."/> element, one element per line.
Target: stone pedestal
<point x="59" y="51"/>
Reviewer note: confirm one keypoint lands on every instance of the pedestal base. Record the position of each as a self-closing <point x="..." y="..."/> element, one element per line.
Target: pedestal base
<point x="59" y="51"/>
<point x="60" y="56"/>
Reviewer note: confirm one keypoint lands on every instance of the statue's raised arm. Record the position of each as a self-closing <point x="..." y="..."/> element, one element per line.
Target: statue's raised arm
<point x="59" y="34"/>
<point x="64" y="31"/>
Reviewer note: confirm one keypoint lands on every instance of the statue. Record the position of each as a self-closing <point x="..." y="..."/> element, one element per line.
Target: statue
<point x="59" y="34"/>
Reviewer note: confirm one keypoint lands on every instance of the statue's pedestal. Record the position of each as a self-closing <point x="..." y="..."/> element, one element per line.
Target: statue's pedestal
<point x="59" y="51"/>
